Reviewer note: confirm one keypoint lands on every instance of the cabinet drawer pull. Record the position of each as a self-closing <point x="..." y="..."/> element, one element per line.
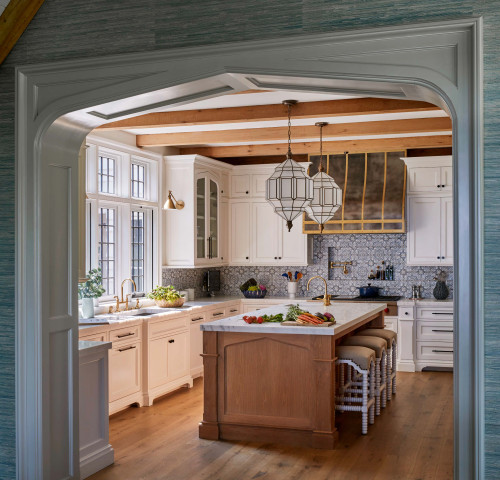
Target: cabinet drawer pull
<point x="442" y="313"/>
<point x="126" y="348"/>
<point x="196" y="319"/>
<point x="125" y="335"/>
<point x="447" y="331"/>
<point x="233" y="310"/>
<point x="442" y="351"/>
<point x="406" y="313"/>
<point x="217" y="314"/>
<point x="171" y="341"/>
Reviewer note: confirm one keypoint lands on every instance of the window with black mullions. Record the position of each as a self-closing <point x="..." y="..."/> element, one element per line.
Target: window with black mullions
<point x="106" y="175"/>
<point x="137" y="180"/>
<point x="138" y="249"/>
<point x="107" y="248"/>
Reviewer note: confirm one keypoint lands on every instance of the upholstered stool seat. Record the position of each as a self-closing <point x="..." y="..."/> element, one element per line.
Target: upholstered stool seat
<point x="379" y="346"/>
<point x="392" y="348"/>
<point x="357" y="398"/>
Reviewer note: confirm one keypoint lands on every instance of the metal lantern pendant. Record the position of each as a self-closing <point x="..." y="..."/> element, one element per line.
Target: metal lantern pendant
<point x="327" y="195"/>
<point x="289" y="189"/>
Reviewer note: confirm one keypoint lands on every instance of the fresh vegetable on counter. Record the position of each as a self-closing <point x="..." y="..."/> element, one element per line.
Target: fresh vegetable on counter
<point x="263" y="318"/>
<point x="293" y="312"/>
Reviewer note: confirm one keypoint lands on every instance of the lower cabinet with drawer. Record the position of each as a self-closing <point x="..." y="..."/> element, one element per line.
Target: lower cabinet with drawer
<point x="425" y="336"/>
<point x="166" y="357"/>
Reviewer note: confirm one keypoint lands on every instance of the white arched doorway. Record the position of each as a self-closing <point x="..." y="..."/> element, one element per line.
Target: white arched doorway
<point x="58" y="104"/>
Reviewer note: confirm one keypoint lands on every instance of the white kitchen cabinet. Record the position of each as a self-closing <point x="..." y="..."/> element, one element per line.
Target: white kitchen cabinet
<point x="167" y="356"/>
<point x="430" y="231"/>
<point x="266" y="234"/>
<point x="207" y="209"/>
<point x="125" y="375"/>
<point x="240" y="232"/>
<point x="192" y="235"/>
<point x="240" y="186"/>
<point x="224" y="232"/>
<point x="429" y="174"/>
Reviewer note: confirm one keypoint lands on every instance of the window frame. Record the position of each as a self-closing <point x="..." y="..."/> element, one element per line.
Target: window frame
<point x="124" y="204"/>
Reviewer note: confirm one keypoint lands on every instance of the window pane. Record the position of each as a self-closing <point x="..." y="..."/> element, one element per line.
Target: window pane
<point x="106" y="248"/>
<point x="137" y="180"/>
<point x="106" y="175"/>
<point x="137" y="249"/>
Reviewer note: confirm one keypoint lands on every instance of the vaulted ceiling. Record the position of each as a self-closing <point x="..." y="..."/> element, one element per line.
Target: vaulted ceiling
<point x="251" y="126"/>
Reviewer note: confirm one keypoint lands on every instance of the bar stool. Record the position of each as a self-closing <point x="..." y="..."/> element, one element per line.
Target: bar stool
<point x="357" y="398"/>
<point x="392" y="353"/>
<point x="379" y="346"/>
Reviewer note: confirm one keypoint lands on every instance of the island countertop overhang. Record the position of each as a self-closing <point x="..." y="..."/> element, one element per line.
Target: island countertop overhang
<point x="347" y="315"/>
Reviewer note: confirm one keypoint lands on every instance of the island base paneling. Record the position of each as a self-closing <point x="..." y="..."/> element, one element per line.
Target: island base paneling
<point x="277" y="388"/>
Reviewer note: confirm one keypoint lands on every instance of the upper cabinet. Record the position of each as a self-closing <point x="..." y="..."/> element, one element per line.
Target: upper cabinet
<point x="258" y="235"/>
<point x="429" y="174"/>
<point x="430" y="211"/>
<point x="192" y="236"/>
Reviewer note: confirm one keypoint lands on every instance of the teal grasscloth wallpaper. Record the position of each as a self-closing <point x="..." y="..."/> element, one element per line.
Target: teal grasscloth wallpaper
<point x="64" y="30"/>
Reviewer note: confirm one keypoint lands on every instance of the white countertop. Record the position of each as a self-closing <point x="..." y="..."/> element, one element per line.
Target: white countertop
<point x="424" y="302"/>
<point x="91" y="345"/>
<point x="345" y="313"/>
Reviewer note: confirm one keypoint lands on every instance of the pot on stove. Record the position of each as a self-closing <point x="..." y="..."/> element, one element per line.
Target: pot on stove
<point x="369" y="291"/>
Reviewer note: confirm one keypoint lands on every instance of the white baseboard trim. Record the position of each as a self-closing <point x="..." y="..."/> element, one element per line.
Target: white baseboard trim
<point x="405" y="367"/>
<point x="96" y="461"/>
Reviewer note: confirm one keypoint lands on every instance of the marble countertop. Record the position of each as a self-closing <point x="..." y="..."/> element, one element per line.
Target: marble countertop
<point x="424" y="302"/>
<point x="345" y="313"/>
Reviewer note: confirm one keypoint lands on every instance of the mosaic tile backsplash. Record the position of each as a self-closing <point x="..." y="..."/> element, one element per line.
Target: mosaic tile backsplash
<point x="365" y="251"/>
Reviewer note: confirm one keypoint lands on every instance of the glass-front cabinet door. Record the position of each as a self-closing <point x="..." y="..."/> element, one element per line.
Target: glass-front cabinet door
<point x="200" y="217"/>
<point x="207" y="218"/>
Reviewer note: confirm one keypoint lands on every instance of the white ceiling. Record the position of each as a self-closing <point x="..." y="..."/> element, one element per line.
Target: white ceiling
<point x="3" y="4"/>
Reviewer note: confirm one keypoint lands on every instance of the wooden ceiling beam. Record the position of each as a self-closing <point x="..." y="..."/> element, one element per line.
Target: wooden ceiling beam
<point x="13" y="22"/>
<point x="250" y="135"/>
<point x="255" y="113"/>
<point x="262" y="160"/>
<point x="351" y="146"/>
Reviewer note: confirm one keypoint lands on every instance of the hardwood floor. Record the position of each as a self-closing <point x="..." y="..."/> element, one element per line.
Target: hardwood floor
<point x="411" y="440"/>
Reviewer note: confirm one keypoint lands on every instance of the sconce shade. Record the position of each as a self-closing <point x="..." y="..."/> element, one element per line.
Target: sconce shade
<point x="289" y="190"/>
<point x="172" y="203"/>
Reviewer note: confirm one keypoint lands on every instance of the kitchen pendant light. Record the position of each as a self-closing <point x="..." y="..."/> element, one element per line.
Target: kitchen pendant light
<point x="289" y="189"/>
<point x="327" y="195"/>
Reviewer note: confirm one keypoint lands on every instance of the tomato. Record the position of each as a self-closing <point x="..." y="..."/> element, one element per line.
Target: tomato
<point x="260" y="320"/>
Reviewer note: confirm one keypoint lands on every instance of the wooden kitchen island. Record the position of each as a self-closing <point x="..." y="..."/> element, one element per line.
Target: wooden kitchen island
<point x="276" y="384"/>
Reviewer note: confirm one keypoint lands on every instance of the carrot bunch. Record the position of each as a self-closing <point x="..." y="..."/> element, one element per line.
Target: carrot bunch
<point x="305" y="318"/>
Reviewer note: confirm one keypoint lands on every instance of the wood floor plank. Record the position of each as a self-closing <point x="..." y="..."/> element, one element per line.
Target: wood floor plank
<point x="412" y="439"/>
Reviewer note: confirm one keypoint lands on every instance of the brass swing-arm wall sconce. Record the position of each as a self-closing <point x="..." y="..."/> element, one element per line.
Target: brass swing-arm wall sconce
<point x="172" y="203"/>
<point x="342" y="265"/>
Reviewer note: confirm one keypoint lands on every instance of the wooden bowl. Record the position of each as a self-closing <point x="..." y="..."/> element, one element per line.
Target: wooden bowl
<point x="166" y="304"/>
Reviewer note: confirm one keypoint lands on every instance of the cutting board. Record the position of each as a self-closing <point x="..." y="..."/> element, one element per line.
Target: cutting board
<point x="296" y="324"/>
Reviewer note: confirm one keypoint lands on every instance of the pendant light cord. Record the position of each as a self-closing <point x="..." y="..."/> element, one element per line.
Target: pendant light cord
<point x="289" y="153"/>
<point x="321" y="168"/>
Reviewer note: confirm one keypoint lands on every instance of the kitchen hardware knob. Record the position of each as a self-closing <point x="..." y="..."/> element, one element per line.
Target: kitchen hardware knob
<point x="441" y="313"/>
<point x="234" y="310"/>
<point x="276" y="258"/>
<point x="442" y="186"/>
<point x="438" y="258"/>
<point x="246" y="258"/>
<point x="196" y="319"/>
<point x="444" y="331"/>
<point x="126" y="348"/>
<point x="406" y="313"/>
<point x="217" y="314"/>
<point x="442" y="351"/>
<point x="438" y="186"/>
<point x="246" y="192"/>
<point x="279" y="258"/>
<point x="171" y="341"/>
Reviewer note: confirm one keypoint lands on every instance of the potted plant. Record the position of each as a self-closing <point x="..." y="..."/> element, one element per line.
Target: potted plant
<point x="166" y="297"/>
<point x="89" y="290"/>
